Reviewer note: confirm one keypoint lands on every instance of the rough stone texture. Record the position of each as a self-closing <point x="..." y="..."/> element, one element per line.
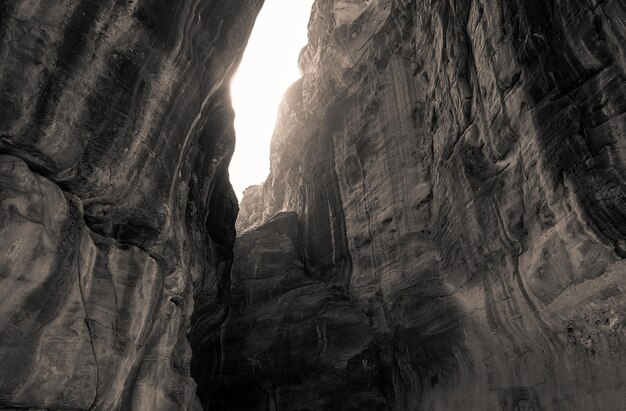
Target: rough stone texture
<point x="458" y="172"/>
<point x="116" y="213"/>
<point x="250" y="210"/>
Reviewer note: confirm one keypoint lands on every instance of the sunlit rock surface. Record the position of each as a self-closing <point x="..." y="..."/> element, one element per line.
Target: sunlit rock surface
<point x="457" y="169"/>
<point x="250" y="209"/>
<point x="116" y="214"/>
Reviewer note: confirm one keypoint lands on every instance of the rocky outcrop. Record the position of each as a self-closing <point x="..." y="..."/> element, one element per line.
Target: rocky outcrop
<point x="117" y="217"/>
<point x="292" y="342"/>
<point x="250" y="210"/>
<point x="458" y="173"/>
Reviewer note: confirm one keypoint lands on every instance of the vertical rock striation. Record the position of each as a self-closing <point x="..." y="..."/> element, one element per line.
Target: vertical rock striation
<point x="250" y="209"/>
<point x="116" y="214"/>
<point x="457" y="169"/>
<point x="290" y="342"/>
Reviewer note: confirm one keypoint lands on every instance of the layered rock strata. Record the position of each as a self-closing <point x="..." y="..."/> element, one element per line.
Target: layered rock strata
<point x="457" y="169"/>
<point x="116" y="214"/>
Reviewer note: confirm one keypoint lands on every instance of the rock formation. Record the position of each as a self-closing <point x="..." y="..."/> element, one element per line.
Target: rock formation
<point x="250" y="210"/>
<point x="116" y="214"/>
<point x="443" y="227"/>
<point x="292" y="343"/>
<point x="456" y="170"/>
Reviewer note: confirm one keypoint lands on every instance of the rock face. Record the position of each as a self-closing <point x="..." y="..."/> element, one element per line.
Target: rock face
<point x="116" y="214"/>
<point x="292" y="342"/>
<point x="250" y="210"/>
<point x="457" y="169"/>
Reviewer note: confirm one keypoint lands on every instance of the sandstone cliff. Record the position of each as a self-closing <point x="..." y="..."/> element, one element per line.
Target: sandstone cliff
<point x="116" y="214"/>
<point x="292" y="343"/>
<point x="250" y="210"/>
<point x="457" y="172"/>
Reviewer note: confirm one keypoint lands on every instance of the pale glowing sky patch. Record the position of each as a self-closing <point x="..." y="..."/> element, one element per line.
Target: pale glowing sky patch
<point x="268" y="68"/>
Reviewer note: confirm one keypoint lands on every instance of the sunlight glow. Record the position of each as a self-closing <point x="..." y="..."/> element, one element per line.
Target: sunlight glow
<point x="268" y="68"/>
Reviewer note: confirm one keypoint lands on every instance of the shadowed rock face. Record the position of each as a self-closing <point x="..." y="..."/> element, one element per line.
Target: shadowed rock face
<point x="457" y="169"/>
<point x="116" y="214"/>
<point x="290" y="341"/>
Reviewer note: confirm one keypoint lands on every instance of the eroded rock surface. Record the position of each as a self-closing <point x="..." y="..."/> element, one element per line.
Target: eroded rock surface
<point x="250" y="210"/>
<point x="292" y="342"/>
<point x="116" y="214"/>
<point x="457" y="169"/>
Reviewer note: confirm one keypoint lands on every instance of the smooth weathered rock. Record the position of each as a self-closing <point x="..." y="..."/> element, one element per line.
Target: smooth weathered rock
<point x="290" y="341"/>
<point x="117" y="216"/>
<point x="458" y="172"/>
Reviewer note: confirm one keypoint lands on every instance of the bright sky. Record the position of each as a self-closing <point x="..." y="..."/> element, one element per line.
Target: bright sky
<point x="268" y="68"/>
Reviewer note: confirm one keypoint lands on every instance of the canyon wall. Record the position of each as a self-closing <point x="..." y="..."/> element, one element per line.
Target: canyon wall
<point x="291" y="342"/>
<point x="116" y="213"/>
<point x="456" y="170"/>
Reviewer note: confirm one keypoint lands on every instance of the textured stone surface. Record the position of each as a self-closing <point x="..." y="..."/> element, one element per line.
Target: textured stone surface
<point x="116" y="213"/>
<point x="458" y="173"/>
<point x="250" y="210"/>
<point x="292" y="342"/>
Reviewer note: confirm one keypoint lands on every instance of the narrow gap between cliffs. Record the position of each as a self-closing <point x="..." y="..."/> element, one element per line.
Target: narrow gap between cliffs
<point x="268" y="67"/>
